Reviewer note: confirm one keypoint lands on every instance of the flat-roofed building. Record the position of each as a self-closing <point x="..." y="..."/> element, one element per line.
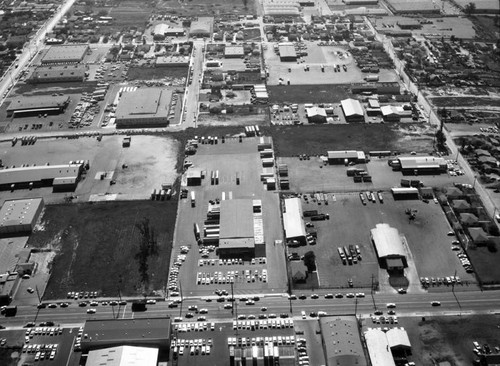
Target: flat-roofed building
<point x="171" y="61"/>
<point x="143" y="107"/>
<point x="235" y="51"/>
<point x="389" y="247"/>
<point x="417" y="6"/>
<point x="144" y="332"/>
<point x="65" y="54"/>
<point x="236" y="238"/>
<point x="345" y="157"/>
<point x="378" y="348"/>
<point x="287" y="52"/>
<point x="202" y="27"/>
<point x="293" y="222"/>
<point x="341" y="341"/>
<point x="38" y="104"/>
<point x="20" y="216"/>
<point x="57" y="74"/>
<point x="123" y="356"/>
<point x="38" y="176"/>
<point x="398" y="340"/>
<point x="316" y="115"/>
<point x="424" y="164"/>
<point x="353" y="111"/>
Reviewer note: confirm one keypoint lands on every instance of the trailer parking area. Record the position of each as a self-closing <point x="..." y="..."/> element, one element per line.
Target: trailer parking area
<point x="229" y="158"/>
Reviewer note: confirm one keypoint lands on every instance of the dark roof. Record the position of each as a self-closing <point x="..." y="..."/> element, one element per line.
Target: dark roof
<point x="477" y="234"/>
<point x="236" y="219"/>
<point x="468" y="218"/>
<point x="460" y="204"/>
<point x="37" y="102"/>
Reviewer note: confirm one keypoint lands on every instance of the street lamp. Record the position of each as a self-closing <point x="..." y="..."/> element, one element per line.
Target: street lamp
<point x="474" y="184"/>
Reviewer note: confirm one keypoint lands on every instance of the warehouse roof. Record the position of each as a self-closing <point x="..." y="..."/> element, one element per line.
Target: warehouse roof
<point x="44" y="72"/>
<point x="397" y="337"/>
<point x="352" y="107"/>
<point x="37" y="102"/>
<point x="378" y="348"/>
<point x="342" y="341"/>
<point x="292" y="219"/>
<point x="144" y="103"/>
<point x="172" y="60"/>
<point x="387" y="241"/>
<point x="236" y="219"/>
<point x="203" y="25"/>
<point x="287" y="50"/>
<point x="234" y="51"/>
<point x="160" y="28"/>
<point x="111" y="330"/>
<point x="346" y="154"/>
<point x="315" y="111"/>
<point x="65" y="53"/>
<point x="426" y="161"/>
<point x="38" y="173"/>
<point x="19" y="212"/>
<point x="123" y="356"/>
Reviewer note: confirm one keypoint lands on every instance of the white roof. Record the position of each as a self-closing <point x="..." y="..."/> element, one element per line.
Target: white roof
<point x="315" y="111"/>
<point x="387" y="110"/>
<point x="292" y="218"/>
<point x="387" y="241"/>
<point x="398" y="337"/>
<point x="378" y="348"/>
<point x="352" y="107"/>
<point x="123" y="356"/>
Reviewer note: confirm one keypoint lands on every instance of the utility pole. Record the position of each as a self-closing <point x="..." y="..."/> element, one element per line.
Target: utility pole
<point x="355" y="307"/>
<point x="453" y="291"/>
<point x="182" y="299"/>
<point x="232" y="299"/>
<point x="373" y="298"/>
<point x="38" y="294"/>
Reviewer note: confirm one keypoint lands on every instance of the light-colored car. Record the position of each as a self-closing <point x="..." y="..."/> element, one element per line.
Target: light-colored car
<point x="91" y="311"/>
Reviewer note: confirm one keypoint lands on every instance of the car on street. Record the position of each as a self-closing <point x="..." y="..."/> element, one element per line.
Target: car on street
<point x="228" y="306"/>
<point x="391" y="305"/>
<point x="52" y="306"/>
<point x="263" y="308"/>
<point x="189" y="315"/>
<point x="329" y="296"/>
<point x="349" y="295"/>
<point x="314" y="296"/>
<point x="302" y="297"/>
<point x="402" y="290"/>
<point x="203" y="311"/>
<point x="91" y="311"/>
<point x="151" y="302"/>
<point x="339" y="296"/>
<point x="435" y="303"/>
<point x="360" y="294"/>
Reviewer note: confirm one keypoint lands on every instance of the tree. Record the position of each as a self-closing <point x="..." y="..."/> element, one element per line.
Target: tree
<point x="148" y="246"/>
<point x="310" y="261"/>
<point x="470" y="9"/>
<point x="245" y="4"/>
<point x="440" y="138"/>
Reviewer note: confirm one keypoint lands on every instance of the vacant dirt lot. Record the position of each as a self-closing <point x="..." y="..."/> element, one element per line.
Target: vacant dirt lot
<point x="208" y="7"/>
<point x="96" y="245"/>
<point x="321" y="93"/>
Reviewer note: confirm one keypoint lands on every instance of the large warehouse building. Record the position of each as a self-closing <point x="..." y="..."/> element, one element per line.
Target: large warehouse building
<point x="353" y="111"/>
<point x="65" y="54"/>
<point x="293" y="222"/>
<point x="60" y="177"/>
<point x="414" y="165"/>
<point x="38" y="104"/>
<point x="58" y="74"/>
<point x="341" y="341"/>
<point x="389" y="247"/>
<point x="144" y="332"/>
<point x="384" y="346"/>
<point x="143" y="108"/>
<point x="202" y="27"/>
<point x="241" y="229"/>
<point x="123" y="356"/>
<point x="287" y="52"/>
<point x="345" y="157"/>
<point x="20" y="216"/>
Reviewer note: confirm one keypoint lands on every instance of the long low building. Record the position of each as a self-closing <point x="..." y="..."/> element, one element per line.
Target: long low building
<point x="293" y="222"/>
<point x="57" y="74"/>
<point x="65" y="54"/>
<point x="425" y="164"/>
<point x="38" y="104"/>
<point x="20" y="216"/>
<point x="353" y="111"/>
<point x="236" y="238"/>
<point x="41" y="176"/>
<point x="389" y="247"/>
<point x="346" y="156"/>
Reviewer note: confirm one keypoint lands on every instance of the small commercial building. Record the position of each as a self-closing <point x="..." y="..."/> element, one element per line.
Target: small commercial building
<point x="193" y="177"/>
<point x="142" y="332"/>
<point x="316" y="115"/>
<point x="33" y="105"/>
<point x="287" y="52"/>
<point x="20" y="216"/>
<point x="202" y="27"/>
<point x="405" y="193"/>
<point x="65" y="54"/>
<point x="424" y="164"/>
<point x="389" y="247"/>
<point x="293" y="221"/>
<point x="172" y="61"/>
<point x="390" y="114"/>
<point x="378" y="348"/>
<point x="164" y="30"/>
<point x="398" y="341"/>
<point x="58" y="74"/>
<point x="353" y="110"/>
<point x="144" y="107"/>
<point x="298" y="271"/>
<point x="236" y="51"/>
<point x="341" y="341"/>
<point x="345" y="157"/>
<point x="123" y="356"/>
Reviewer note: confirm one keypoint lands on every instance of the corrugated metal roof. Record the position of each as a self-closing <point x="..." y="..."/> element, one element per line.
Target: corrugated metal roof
<point x="292" y="219"/>
<point x="426" y="161"/>
<point x="387" y="241"/>
<point x="352" y="107"/>
<point x="20" y="212"/>
<point x="236" y="219"/>
<point x="342" y="341"/>
<point x="287" y="50"/>
<point x="38" y="173"/>
<point x="123" y="356"/>
<point x="397" y="337"/>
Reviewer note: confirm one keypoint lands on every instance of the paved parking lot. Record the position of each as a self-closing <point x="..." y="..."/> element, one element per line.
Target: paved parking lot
<point x="230" y="158"/>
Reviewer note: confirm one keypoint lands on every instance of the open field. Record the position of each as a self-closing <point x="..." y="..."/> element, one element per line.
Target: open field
<point x="449" y="338"/>
<point x="485" y="264"/>
<point x="229" y="159"/>
<point x="96" y="244"/>
<point x="464" y="102"/>
<point x="152" y="73"/>
<point x="315" y="140"/>
<point x="208" y="7"/>
<point x="324" y="93"/>
<point x="146" y="168"/>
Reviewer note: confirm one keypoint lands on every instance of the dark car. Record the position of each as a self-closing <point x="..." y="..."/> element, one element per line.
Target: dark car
<point x="189" y="315"/>
<point x="221" y="299"/>
<point x="41" y="306"/>
<point x="82" y="304"/>
<point x="302" y="297"/>
<point x="283" y="315"/>
<point x="313" y="314"/>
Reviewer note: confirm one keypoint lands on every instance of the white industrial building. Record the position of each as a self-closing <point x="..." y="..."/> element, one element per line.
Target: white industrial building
<point x="20" y="216"/>
<point x="295" y="228"/>
<point x="389" y="247"/>
<point x="378" y="348"/>
<point x="123" y="356"/>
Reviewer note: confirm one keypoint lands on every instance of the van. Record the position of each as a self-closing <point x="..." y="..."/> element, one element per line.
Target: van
<point x="303" y="314"/>
<point x="191" y="351"/>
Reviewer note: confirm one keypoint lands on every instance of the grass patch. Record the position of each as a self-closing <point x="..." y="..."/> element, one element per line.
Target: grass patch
<point x="485" y="264"/>
<point x="326" y="93"/>
<point x="96" y="244"/>
<point x="313" y="140"/>
<point x="9" y="357"/>
<point x="464" y="102"/>
<point x="150" y="73"/>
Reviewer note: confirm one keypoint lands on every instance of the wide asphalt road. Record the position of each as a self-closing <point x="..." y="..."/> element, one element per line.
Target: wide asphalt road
<point x="469" y="302"/>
